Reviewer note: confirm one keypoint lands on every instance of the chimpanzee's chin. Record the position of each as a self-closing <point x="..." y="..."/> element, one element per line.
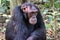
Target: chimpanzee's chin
<point x="32" y="23"/>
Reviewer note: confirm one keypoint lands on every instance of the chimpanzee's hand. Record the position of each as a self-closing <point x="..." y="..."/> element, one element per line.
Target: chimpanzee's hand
<point x="30" y="38"/>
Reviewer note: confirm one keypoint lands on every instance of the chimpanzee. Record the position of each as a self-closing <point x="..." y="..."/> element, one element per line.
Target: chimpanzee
<point x="26" y="23"/>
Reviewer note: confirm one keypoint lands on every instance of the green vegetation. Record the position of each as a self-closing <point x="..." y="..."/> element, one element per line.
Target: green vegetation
<point x="50" y="10"/>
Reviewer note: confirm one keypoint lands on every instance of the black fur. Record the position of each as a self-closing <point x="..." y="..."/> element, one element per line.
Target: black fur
<point x="24" y="30"/>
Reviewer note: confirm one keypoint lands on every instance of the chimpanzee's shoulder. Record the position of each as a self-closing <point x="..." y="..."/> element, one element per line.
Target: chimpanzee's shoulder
<point x="17" y="7"/>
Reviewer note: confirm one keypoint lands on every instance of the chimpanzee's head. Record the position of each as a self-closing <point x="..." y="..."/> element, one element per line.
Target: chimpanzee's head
<point x="30" y="11"/>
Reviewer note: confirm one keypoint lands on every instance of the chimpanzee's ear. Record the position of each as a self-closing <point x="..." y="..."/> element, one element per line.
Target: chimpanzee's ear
<point x="23" y="6"/>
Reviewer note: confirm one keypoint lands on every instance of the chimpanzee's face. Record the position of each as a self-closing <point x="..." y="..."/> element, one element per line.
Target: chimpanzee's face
<point x="31" y="12"/>
<point x="32" y="18"/>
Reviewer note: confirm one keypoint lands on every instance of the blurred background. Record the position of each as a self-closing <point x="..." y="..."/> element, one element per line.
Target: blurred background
<point x="50" y="10"/>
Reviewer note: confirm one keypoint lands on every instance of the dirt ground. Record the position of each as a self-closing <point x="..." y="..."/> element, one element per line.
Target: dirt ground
<point x="2" y="36"/>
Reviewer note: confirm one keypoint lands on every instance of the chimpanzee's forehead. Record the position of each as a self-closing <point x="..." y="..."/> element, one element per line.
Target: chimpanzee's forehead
<point x="28" y="4"/>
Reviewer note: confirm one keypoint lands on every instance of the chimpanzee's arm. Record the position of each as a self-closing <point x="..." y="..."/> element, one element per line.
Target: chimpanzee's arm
<point x="10" y="31"/>
<point x="20" y="24"/>
<point x="17" y="19"/>
<point x="39" y="33"/>
<point x="10" y="28"/>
